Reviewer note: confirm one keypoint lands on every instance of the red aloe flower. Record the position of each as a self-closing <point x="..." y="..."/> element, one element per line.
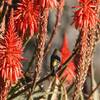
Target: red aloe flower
<point x="48" y="3"/>
<point x="86" y="15"/>
<point x="10" y="55"/>
<point x="26" y="17"/>
<point x="69" y="72"/>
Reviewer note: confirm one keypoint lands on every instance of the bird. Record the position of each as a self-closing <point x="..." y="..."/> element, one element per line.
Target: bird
<point x="55" y="61"/>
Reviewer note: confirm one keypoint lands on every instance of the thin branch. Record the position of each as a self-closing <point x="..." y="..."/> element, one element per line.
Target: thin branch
<point x="23" y="89"/>
<point x="33" y="86"/>
<point x="98" y="85"/>
<point x="54" y="32"/>
<point x="92" y="75"/>
<point x="52" y="83"/>
<point x="71" y="87"/>
<point x="26" y="42"/>
<point x="64" y="96"/>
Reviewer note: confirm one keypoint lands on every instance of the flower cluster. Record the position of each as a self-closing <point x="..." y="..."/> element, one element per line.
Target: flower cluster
<point x="69" y="72"/>
<point x="28" y="13"/>
<point x="26" y="17"/>
<point x="85" y="17"/>
<point x="11" y="55"/>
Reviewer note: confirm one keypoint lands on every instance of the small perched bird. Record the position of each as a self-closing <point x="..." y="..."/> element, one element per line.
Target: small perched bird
<point x="55" y="61"/>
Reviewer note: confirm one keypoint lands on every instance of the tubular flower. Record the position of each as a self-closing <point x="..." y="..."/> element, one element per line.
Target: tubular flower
<point x="69" y="72"/>
<point x="26" y="17"/>
<point x="48" y="3"/>
<point x="10" y="55"/>
<point x="86" y="15"/>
